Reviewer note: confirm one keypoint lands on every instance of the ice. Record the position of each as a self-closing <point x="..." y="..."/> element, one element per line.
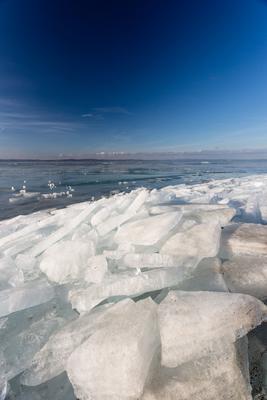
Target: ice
<point x="117" y="254"/>
<point x="115" y="221"/>
<point x="199" y="241"/>
<point x="197" y="250"/>
<point x="126" y="284"/>
<point x="24" y="296"/>
<point x="20" y="349"/>
<point x="244" y="239"/>
<point x="96" y="270"/>
<point x="184" y="208"/>
<point x="58" y="388"/>
<point x="24" y="197"/>
<point x="222" y="374"/>
<point x="149" y="260"/>
<point x="51" y="360"/>
<point x="201" y="212"/>
<point x="192" y="324"/>
<point x="28" y="265"/>
<point x="147" y="231"/>
<point x="66" y="261"/>
<point x="10" y="275"/>
<point x="116" y="205"/>
<point x="116" y="361"/>
<point x="21" y="245"/>
<point x="63" y="231"/>
<point x="208" y="276"/>
<point x="247" y="274"/>
<point x="3" y="389"/>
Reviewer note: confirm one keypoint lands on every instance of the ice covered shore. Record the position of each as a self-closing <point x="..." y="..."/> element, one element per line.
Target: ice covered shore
<point x="148" y="295"/>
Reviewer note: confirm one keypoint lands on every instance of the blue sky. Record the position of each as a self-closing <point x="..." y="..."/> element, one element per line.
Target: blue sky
<point x="86" y="76"/>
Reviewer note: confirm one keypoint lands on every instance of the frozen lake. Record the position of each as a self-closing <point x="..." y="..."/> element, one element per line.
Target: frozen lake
<point x="86" y="178"/>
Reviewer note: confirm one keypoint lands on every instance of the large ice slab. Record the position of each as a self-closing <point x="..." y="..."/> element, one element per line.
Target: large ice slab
<point x="207" y="276"/>
<point x="199" y="241"/>
<point x="246" y="274"/>
<point x="194" y="323"/>
<point x="244" y="239"/>
<point x="116" y="361"/>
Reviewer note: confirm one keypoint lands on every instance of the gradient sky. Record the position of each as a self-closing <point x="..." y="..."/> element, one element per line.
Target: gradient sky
<point x="87" y="76"/>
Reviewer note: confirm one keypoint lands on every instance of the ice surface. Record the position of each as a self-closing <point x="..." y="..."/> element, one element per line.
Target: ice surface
<point x="115" y="362"/>
<point x="193" y="323"/>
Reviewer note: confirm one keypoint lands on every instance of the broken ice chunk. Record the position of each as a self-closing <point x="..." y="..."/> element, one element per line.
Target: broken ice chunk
<point x="65" y="261"/>
<point x="117" y="360"/>
<point x="193" y="323"/>
<point x="27" y="295"/>
<point x="126" y="284"/>
<point x="244" y="239"/>
<point x="147" y="231"/>
<point x="206" y="276"/>
<point x="201" y="240"/>
<point x="247" y="274"/>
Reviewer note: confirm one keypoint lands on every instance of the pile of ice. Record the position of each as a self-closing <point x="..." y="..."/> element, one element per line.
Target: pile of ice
<point x="146" y="295"/>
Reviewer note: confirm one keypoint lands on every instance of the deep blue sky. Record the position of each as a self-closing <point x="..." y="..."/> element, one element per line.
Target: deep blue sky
<point x="86" y="76"/>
